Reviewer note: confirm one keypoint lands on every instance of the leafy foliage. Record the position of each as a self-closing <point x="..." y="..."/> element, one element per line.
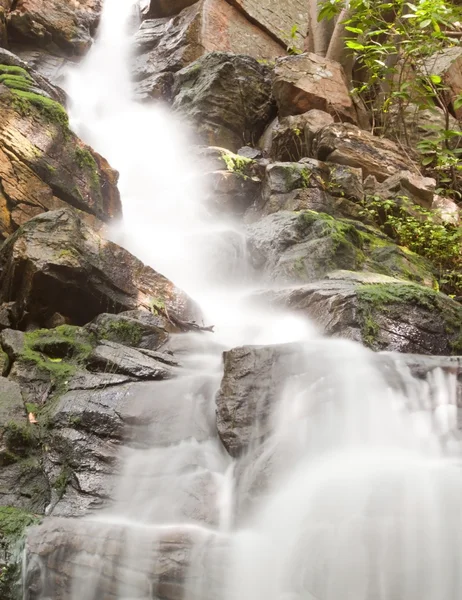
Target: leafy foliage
<point x="396" y="45"/>
<point x="424" y="232"/>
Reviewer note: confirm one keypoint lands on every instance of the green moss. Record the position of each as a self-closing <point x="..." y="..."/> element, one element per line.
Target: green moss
<point x="377" y="298"/>
<point x="69" y="253"/>
<point x="62" y="480"/>
<point x="237" y="164"/>
<point x="57" y="352"/>
<point x="13" y="523"/>
<point x="123" y="331"/>
<point x="16" y="82"/>
<point x="86" y="161"/>
<point x="50" y="109"/>
<point x="19" y="71"/>
<point x="20" y="438"/>
<point x="157" y="306"/>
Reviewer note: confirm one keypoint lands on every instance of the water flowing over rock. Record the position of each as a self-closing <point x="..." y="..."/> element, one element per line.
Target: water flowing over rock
<point x="227" y="97"/>
<point x="286" y="428"/>
<point x="55" y="259"/>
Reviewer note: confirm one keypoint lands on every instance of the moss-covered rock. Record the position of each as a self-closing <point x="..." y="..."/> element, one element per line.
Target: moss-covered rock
<point x="13" y="523"/>
<point x="43" y="165"/>
<point x="307" y="245"/>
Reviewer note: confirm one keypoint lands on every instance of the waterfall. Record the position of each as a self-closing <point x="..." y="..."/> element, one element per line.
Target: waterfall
<point x="360" y="500"/>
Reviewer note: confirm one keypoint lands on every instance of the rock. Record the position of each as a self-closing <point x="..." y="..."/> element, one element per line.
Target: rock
<point x="243" y="415"/>
<point x="165" y="8"/>
<point x="313" y="121"/>
<point x="145" y="332"/>
<point x="56" y="263"/>
<point x="12" y="342"/>
<point x="448" y="65"/>
<point x="230" y="193"/>
<point x="50" y="67"/>
<point x="288" y="140"/>
<point x="419" y="190"/>
<point x="446" y="209"/>
<point x="163" y="557"/>
<point x="348" y="145"/>
<point x="12" y="419"/>
<point x="420" y="124"/>
<point x="60" y="26"/>
<point x="43" y="165"/>
<point x="304" y="247"/>
<point x="294" y="186"/>
<point x="381" y="312"/>
<point x="346" y="182"/>
<point x="166" y="45"/>
<point x="115" y="358"/>
<point x="308" y="82"/>
<point x="279" y="19"/>
<point x="7" y="58"/>
<point x="3" y="30"/>
<point x="227" y="97"/>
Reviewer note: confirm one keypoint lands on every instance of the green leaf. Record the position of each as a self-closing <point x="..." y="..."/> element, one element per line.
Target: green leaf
<point x="426" y="160"/>
<point x="355" y="45"/>
<point x="425" y="23"/>
<point x="354" y="29"/>
<point x="458" y="102"/>
<point x="435" y="79"/>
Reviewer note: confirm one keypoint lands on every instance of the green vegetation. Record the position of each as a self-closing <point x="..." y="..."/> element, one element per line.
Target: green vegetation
<point x="20" y="438"/>
<point x="422" y="231"/>
<point x="16" y="82"/>
<point x="18" y="71"/>
<point x="390" y="52"/>
<point x="122" y="331"/>
<point x="157" y="306"/>
<point x="86" y="161"/>
<point x="62" y="480"/>
<point x="237" y="164"/>
<point x="57" y="352"/>
<point x="13" y="523"/>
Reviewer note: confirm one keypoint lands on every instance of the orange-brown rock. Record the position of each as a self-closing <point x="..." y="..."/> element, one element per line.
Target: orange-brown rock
<point x="166" y="8"/>
<point x="208" y="25"/>
<point x="43" y="165"/>
<point x="346" y="144"/>
<point x="287" y="21"/>
<point x="309" y="81"/>
<point x="62" y="26"/>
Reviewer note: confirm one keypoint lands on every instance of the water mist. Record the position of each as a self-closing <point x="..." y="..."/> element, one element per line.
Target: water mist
<point x="360" y="501"/>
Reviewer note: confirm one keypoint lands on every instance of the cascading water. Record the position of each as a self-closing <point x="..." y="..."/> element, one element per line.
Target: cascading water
<point x="359" y="500"/>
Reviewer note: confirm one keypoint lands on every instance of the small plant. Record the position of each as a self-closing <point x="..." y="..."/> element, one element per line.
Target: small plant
<point x="424" y="232"/>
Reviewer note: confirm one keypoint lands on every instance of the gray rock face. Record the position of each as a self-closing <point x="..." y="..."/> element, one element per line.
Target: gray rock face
<point x="163" y="556"/>
<point x="140" y="329"/>
<point x="227" y="97"/>
<point x="56" y="263"/>
<point x="381" y="312"/>
<point x="305" y="246"/>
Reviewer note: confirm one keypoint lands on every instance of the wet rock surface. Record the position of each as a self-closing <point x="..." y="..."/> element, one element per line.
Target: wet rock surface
<point x="227" y="97"/>
<point x="57" y="252"/>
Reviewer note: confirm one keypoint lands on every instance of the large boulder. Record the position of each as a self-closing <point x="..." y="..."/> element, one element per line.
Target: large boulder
<point x="43" y="165"/>
<point x="256" y="378"/>
<point x="227" y="97"/>
<point x="57" y="263"/>
<point x="97" y="553"/>
<point x="381" y="312"/>
<point x="309" y="81"/>
<point x="61" y="26"/>
<point x="166" y="45"/>
<point x="348" y="145"/>
<point x="288" y="247"/>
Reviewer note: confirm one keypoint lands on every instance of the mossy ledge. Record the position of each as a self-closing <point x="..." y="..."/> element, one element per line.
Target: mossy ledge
<point x="381" y="298"/>
<point x="122" y="331"/>
<point x="57" y="352"/>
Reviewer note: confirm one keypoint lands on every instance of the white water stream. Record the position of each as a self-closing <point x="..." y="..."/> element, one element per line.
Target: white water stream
<point x="359" y="501"/>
